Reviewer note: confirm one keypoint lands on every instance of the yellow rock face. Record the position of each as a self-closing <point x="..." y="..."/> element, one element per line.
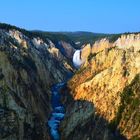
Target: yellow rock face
<point x="101" y="45"/>
<point x="128" y="41"/>
<point x="85" y="52"/>
<point x="124" y="42"/>
<point x="102" y="82"/>
<point x="106" y="78"/>
<point x="18" y="36"/>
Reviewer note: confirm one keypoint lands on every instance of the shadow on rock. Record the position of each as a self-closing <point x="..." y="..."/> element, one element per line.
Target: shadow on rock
<point x="82" y="122"/>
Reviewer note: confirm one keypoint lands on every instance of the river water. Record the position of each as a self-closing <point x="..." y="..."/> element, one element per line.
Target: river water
<point x="58" y="112"/>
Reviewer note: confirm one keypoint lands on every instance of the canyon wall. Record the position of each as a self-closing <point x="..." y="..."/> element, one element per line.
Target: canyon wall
<point x="29" y="66"/>
<point x="103" y="94"/>
<point x="102" y="98"/>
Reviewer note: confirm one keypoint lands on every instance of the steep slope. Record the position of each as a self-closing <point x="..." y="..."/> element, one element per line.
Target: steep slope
<point x="127" y="118"/>
<point x="58" y="44"/>
<point x="28" y="69"/>
<point x="103" y="96"/>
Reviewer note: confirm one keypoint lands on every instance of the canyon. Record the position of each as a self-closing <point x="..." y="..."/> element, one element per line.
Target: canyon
<point x="50" y="88"/>
<point x="102" y="100"/>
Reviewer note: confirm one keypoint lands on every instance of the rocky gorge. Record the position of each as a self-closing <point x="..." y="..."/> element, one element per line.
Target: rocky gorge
<point x="29" y="66"/>
<point x="99" y="101"/>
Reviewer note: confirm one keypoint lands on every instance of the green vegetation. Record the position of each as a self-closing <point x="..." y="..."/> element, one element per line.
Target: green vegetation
<point x="91" y="56"/>
<point x="71" y="37"/>
<point x="130" y="100"/>
<point x="55" y="37"/>
<point x="114" y="37"/>
<point x="28" y="62"/>
<point x="135" y="138"/>
<point x="1" y="74"/>
<point x="4" y="93"/>
<point x="89" y="37"/>
<point x="84" y="37"/>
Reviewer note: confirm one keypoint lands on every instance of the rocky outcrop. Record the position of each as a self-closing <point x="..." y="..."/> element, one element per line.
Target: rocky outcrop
<point x="107" y="84"/>
<point x="57" y="54"/>
<point x="27" y="70"/>
<point x="125" y="41"/>
<point x="85" y="51"/>
<point x="101" y="45"/>
<point x="129" y="41"/>
<point x="67" y="49"/>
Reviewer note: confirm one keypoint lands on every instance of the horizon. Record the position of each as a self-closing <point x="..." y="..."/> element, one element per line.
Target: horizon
<point x="97" y="16"/>
<point x="33" y="30"/>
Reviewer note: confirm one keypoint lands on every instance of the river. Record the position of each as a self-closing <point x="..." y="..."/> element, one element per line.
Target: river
<point x="58" y="112"/>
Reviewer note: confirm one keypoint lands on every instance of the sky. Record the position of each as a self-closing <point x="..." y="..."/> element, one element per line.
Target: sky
<point x="99" y="16"/>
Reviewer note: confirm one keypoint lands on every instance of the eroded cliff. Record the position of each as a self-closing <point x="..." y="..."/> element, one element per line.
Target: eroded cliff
<point x="29" y="66"/>
<point x="103" y="95"/>
<point x="101" y="99"/>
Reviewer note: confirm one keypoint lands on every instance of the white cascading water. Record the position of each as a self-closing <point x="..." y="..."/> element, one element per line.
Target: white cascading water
<point x="76" y="59"/>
